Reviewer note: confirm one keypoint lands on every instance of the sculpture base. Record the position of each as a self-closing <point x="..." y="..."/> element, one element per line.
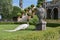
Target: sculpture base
<point x="41" y="26"/>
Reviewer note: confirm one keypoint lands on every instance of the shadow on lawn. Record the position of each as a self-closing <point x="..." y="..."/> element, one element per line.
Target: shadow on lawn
<point x="48" y="25"/>
<point x="53" y="24"/>
<point x="29" y="29"/>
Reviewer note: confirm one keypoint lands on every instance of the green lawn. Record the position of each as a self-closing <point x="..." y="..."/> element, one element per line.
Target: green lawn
<point x="51" y="33"/>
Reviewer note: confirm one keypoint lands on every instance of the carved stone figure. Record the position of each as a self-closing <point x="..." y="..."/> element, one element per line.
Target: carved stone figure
<point x="40" y="12"/>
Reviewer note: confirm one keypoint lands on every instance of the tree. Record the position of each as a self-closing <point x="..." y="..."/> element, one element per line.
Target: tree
<point x="15" y="11"/>
<point x="32" y="5"/>
<point x="6" y="8"/>
<point x="39" y="2"/>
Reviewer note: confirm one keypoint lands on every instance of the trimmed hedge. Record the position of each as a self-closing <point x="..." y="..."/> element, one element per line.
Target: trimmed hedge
<point x="13" y="22"/>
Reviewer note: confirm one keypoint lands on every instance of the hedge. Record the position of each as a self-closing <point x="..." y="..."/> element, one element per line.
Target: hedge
<point x="13" y="22"/>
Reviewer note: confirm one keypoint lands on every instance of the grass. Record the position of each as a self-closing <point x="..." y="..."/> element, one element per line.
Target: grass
<point x="52" y="32"/>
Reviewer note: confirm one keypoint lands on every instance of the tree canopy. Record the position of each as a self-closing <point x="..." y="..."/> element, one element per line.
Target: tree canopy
<point x="39" y="2"/>
<point x="16" y="10"/>
<point x="6" y="8"/>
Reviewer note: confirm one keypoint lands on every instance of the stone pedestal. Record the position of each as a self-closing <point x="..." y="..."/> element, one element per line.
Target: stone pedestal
<point x="41" y="26"/>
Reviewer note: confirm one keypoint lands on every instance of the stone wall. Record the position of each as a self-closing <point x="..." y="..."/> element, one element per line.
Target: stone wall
<point x="59" y="13"/>
<point x="52" y="5"/>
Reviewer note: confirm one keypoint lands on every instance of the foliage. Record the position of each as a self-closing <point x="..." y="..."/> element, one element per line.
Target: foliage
<point x="15" y="11"/>
<point x="6" y="8"/>
<point x="29" y="14"/>
<point x="33" y="20"/>
<point x="18" y="14"/>
<point x="29" y="8"/>
<point x="39" y="2"/>
<point x="32" y="5"/>
<point x="13" y="22"/>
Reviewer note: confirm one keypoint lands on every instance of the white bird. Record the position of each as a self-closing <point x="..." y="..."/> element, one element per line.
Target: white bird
<point x="22" y="26"/>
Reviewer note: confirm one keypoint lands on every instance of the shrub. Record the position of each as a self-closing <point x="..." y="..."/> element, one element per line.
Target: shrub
<point x="13" y="22"/>
<point x="33" y="20"/>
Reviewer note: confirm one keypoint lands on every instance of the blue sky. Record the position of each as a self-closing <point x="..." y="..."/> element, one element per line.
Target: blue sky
<point x="26" y="3"/>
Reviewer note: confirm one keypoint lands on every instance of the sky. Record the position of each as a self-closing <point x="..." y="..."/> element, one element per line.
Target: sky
<point x="26" y="3"/>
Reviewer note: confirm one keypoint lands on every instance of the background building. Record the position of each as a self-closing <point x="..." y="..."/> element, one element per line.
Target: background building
<point x="53" y="9"/>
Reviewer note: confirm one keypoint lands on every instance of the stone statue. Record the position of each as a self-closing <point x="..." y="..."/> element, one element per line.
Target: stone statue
<point x="40" y="12"/>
